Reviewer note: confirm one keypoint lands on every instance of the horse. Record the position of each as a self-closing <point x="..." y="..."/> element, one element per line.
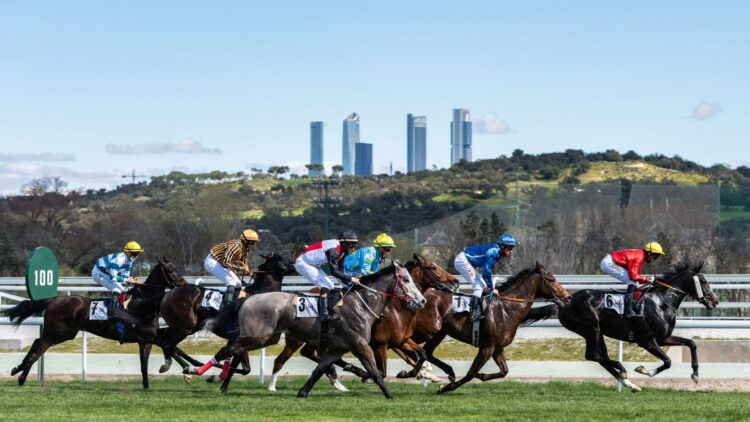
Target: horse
<point x="182" y="311"/>
<point x="587" y="316"/>
<point x="263" y="318"/>
<point x="65" y="316"/>
<point x="505" y="313"/>
<point x="392" y="330"/>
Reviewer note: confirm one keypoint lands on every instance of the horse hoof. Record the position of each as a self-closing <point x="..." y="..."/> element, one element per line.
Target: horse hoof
<point x="15" y="370"/>
<point x="389" y="396"/>
<point x="302" y="394"/>
<point x="366" y="380"/>
<point x="213" y="379"/>
<point x="164" y="368"/>
<point x="187" y="378"/>
<point x="271" y="388"/>
<point x="634" y="388"/>
<point x="641" y="370"/>
<point x="188" y="371"/>
<point x="339" y="386"/>
<point x="695" y="378"/>
<point x="451" y="378"/>
<point x="404" y="374"/>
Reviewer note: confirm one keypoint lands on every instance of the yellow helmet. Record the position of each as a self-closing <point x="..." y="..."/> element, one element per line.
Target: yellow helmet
<point x="133" y="246"/>
<point x="654" y="248"/>
<point x="384" y="241"/>
<point x="250" y="234"/>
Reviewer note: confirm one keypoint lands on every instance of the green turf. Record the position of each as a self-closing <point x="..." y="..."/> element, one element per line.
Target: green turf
<point x="170" y="399"/>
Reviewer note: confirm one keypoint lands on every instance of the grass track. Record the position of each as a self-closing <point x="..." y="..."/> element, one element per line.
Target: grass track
<point x="170" y="399"/>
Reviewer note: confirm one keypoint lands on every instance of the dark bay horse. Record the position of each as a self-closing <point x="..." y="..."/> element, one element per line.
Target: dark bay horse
<point x="182" y="311"/>
<point x="587" y="316"/>
<point x="65" y="316"/>
<point x="392" y="330"/>
<point x="503" y="316"/>
<point x="263" y="318"/>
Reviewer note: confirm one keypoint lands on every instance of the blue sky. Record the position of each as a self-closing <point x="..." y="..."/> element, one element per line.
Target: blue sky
<point x="90" y="89"/>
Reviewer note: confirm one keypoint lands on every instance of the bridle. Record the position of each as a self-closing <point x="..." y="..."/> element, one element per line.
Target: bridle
<point x="698" y="295"/>
<point x="399" y="282"/>
<point x="543" y="273"/>
<point x="434" y="280"/>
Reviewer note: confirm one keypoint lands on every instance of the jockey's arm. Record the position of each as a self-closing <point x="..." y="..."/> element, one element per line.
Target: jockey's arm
<point x="634" y="273"/>
<point x="332" y="255"/>
<point x="489" y="264"/>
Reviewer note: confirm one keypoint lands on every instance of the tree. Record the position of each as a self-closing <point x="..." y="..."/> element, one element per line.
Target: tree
<point x="314" y="169"/>
<point x="277" y="171"/>
<point x="337" y="169"/>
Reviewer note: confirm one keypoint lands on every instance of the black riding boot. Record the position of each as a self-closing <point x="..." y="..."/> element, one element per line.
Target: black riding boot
<point x="115" y="302"/>
<point x="325" y="314"/>
<point x="630" y="310"/>
<point x="228" y="296"/>
<point x="475" y="307"/>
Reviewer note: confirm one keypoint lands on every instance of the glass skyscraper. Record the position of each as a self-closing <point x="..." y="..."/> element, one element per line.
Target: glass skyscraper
<point x="363" y="160"/>
<point x="460" y="135"/>
<point x="316" y="145"/>
<point x="416" y="143"/>
<point x="350" y="137"/>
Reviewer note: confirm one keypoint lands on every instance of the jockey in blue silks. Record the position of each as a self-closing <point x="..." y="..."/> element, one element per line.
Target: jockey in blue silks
<point x="475" y="264"/>
<point x="366" y="260"/>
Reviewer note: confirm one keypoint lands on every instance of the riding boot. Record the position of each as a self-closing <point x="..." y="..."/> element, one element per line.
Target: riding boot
<point x="228" y="296"/>
<point x="115" y="302"/>
<point x="630" y="309"/>
<point x="475" y="307"/>
<point x="119" y="326"/>
<point x="325" y="313"/>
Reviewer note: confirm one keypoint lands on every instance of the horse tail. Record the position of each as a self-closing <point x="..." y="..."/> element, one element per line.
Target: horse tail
<point x="225" y="315"/>
<point x="540" y="314"/>
<point x="25" y="309"/>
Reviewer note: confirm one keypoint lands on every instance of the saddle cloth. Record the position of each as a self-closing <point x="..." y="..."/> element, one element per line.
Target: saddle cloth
<point x="212" y="299"/>
<point x="99" y="310"/>
<point x="461" y="303"/>
<point x="615" y="301"/>
<point x="307" y="306"/>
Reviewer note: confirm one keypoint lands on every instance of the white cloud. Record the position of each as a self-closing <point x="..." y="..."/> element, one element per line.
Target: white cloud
<point x="705" y="110"/>
<point x="489" y="124"/>
<point x="43" y="156"/>
<point x="186" y="146"/>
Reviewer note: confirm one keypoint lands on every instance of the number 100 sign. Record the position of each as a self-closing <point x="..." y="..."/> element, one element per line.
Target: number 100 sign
<point x="42" y="274"/>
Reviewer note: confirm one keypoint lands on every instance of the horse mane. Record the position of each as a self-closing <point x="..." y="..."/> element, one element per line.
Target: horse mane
<point x="145" y="309"/>
<point x="512" y="281"/>
<point x="370" y="277"/>
<point x="680" y="268"/>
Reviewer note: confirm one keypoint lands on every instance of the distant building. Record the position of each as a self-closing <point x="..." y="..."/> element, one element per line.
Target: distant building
<point x="416" y="143"/>
<point x="363" y="159"/>
<point x="316" y="145"/>
<point x="460" y="135"/>
<point x="350" y="137"/>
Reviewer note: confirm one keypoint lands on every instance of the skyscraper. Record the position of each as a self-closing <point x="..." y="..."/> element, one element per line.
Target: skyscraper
<point x="363" y="159"/>
<point x="416" y="143"/>
<point x="316" y="145"/>
<point x="350" y="137"/>
<point x="460" y="136"/>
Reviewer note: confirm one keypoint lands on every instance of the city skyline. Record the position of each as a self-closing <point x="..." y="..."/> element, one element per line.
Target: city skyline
<point x="363" y="163"/>
<point x="349" y="139"/>
<point x="201" y="88"/>
<point x="461" y="136"/>
<point x="416" y="143"/>
<point x="316" y="146"/>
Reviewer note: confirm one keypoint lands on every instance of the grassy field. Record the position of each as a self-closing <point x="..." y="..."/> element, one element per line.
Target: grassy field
<point x="522" y="349"/>
<point x="170" y="399"/>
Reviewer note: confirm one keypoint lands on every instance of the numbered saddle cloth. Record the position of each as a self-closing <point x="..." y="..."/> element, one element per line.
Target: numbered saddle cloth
<point x="212" y="299"/>
<point x="615" y="301"/>
<point x="461" y="303"/>
<point x="307" y="306"/>
<point x="99" y="310"/>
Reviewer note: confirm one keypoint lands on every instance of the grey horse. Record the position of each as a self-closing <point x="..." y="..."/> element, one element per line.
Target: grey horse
<point x="263" y="318"/>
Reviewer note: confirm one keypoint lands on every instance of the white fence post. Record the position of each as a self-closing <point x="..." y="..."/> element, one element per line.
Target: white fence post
<point x="84" y="356"/>
<point x="619" y="359"/>
<point x="261" y="371"/>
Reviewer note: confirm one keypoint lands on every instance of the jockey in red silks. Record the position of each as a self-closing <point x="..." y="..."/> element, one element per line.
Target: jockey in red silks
<point x="626" y="265"/>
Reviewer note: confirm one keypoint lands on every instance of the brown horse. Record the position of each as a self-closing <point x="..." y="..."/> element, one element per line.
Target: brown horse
<point x="503" y="316"/>
<point x="65" y="316"/>
<point x="392" y="330"/>
<point x="182" y="311"/>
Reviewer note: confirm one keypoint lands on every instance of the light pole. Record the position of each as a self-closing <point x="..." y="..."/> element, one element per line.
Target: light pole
<point x="325" y="202"/>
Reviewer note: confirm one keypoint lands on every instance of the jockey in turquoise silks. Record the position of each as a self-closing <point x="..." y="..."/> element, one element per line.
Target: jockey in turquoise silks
<point x="365" y="261"/>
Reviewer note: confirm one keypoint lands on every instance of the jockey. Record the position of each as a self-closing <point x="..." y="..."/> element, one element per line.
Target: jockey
<point x="331" y="252"/>
<point x="365" y="261"/>
<point x="626" y="265"/>
<point x="228" y="257"/>
<point x="112" y="270"/>
<point x="472" y="259"/>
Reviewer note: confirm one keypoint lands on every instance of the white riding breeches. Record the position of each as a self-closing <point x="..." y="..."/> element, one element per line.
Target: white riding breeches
<point x="313" y="274"/>
<point x="474" y="277"/>
<point x="106" y="281"/>
<point x="610" y="268"/>
<point x="228" y="277"/>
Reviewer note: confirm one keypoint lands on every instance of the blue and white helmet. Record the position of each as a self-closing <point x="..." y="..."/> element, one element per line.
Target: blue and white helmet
<point x="506" y="240"/>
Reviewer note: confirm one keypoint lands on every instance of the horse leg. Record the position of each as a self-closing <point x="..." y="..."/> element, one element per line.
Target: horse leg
<point x="429" y="350"/>
<point x="364" y="353"/>
<point x="653" y="347"/>
<point x="181" y="356"/>
<point x="381" y="359"/>
<point x="236" y="359"/>
<point x="144" y="350"/>
<point x="292" y="345"/>
<point x="681" y="341"/>
<point x="612" y="366"/>
<point x="499" y="357"/>
<point x="481" y="358"/>
<point x="325" y="361"/>
<point x="38" y="348"/>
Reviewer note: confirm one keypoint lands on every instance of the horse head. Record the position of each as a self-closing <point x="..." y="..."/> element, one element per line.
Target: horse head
<point x="427" y="275"/>
<point x="165" y="274"/>
<point x="692" y="282"/>
<point x="275" y="264"/>
<point x="549" y="288"/>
